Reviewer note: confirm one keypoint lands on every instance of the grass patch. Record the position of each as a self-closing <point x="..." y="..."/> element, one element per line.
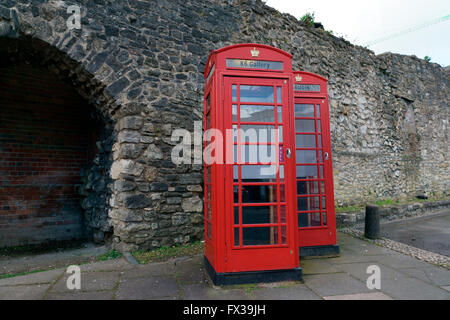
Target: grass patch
<point x="386" y="202"/>
<point x="12" y="275"/>
<point x="110" y="255"/>
<point x="166" y="253"/>
<point x="348" y="209"/>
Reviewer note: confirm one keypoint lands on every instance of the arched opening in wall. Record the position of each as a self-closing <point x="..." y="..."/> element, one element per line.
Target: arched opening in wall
<point x="52" y="157"/>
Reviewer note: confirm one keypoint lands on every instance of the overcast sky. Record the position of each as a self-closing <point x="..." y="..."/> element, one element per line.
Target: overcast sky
<point x="362" y="22"/>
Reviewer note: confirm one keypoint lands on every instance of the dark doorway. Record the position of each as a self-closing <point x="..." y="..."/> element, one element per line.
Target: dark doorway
<point x="47" y="138"/>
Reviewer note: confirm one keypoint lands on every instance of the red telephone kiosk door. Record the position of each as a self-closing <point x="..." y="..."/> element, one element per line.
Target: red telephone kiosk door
<point x="314" y="173"/>
<point x="260" y="214"/>
<point x="254" y="212"/>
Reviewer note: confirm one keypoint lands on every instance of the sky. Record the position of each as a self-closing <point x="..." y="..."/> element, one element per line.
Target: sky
<point x="364" y="22"/>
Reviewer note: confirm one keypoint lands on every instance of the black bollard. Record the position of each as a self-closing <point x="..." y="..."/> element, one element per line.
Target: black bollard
<point x="372" y="222"/>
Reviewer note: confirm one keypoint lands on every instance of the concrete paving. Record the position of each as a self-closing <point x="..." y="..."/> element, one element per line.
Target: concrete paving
<point x="332" y="278"/>
<point x="431" y="233"/>
<point x="51" y="260"/>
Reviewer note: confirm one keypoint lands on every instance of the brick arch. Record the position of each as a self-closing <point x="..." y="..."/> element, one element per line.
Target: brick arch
<point x="55" y="142"/>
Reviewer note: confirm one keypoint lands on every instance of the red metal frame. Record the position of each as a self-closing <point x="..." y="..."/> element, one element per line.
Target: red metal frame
<point x="324" y="234"/>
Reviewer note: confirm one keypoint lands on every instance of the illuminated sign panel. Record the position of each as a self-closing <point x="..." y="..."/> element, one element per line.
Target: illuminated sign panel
<point x="255" y="64"/>
<point x="307" y="87"/>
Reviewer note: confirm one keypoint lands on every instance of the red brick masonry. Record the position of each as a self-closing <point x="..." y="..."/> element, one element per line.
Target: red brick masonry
<point x="44" y="144"/>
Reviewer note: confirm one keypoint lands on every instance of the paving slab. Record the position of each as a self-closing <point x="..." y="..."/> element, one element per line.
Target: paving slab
<point x="148" y="288"/>
<point x="359" y="271"/>
<point x="90" y="281"/>
<point x="298" y="292"/>
<point x="334" y="284"/>
<point x="413" y="289"/>
<point x="109" y="265"/>
<point x="401" y="261"/>
<point x="150" y="270"/>
<point x="52" y="260"/>
<point x="191" y="271"/>
<point x="28" y="292"/>
<point x="33" y="278"/>
<point x="318" y="266"/>
<point x="204" y="291"/>
<point x="75" y="295"/>
<point x="360" y="296"/>
<point x="433" y="275"/>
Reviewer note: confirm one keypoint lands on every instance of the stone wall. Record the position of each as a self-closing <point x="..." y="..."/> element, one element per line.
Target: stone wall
<point x="140" y="64"/>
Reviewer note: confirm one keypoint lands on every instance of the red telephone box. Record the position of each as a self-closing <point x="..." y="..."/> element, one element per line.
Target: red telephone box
<point x="268" y="173"/>
<point x="314" y="172"/>
<point x="250" y="212"/>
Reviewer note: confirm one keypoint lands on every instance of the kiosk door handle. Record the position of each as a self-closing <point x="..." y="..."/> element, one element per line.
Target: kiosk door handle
<point x="288" y="153"/>
<point x="326" y="156"/>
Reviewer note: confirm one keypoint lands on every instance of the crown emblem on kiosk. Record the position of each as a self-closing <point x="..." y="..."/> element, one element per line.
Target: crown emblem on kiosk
<point x="298" y="78"/>
<point x="254" y="52"/>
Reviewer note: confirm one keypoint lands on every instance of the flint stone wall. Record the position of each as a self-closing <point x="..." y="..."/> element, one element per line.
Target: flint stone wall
<point x="141" y="63"/>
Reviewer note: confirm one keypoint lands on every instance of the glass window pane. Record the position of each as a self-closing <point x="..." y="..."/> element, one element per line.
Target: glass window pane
<point x="236" y="173"/>
<point x="307" y="187"/>
<point x="283" y="235"/>
<point x="308" y="204"/>
<point x="304" y="110"/>
<point x="282" y="193"/>
<point x="258" y="154"/>
<point x="236" y="194"/>
<point x="319" y="127"/>
<point x="322" y="186"/>
<point x="305" y="126"/>
<point x="280" y="114"/>
<point x="318" y="111"/>
<point x="259" y="194"/>
<point x="256" y="94"/>
<point x="251" y="113"/>
<point x="324" y="203"/>
<point x="283" y="214"/>
<point x="236" y="215"/>
<point x="281" y="170"/>
<point x="259" y="215"/>
<point x="305" y="141"/>
<point x="307" y="172"/>
<point x="235" y="113"/>
<point x="279" y="95"/>
<point x="235" y="133"/>
<point x="308" y="220"/>
<point x="259" y="173"/>
<point x="306" y="156"/>
<point x="258" y="133"/>
<point x="234" y="92"/>
<point x="259" y="236"/>
<point x="320" y="141"/>
<point x="236" y="237"/>
<point x="324" y="218"/>
<point x="280" y="134"/>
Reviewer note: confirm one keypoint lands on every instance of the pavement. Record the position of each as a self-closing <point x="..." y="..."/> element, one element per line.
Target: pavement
<point x="334" y="278"/>
<point x="431" y="233"/>
<point x="25" y="263"/>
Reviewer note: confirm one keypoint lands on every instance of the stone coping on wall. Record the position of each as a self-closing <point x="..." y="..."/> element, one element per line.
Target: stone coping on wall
<point x="393" y="212"/>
